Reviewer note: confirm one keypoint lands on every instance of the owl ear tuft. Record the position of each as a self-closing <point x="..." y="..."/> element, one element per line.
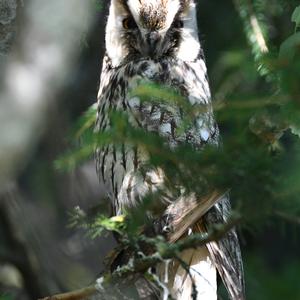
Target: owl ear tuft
<point x="121" y="6"/>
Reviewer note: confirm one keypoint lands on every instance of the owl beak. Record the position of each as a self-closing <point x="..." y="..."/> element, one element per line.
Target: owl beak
<point x="152" y="40"/>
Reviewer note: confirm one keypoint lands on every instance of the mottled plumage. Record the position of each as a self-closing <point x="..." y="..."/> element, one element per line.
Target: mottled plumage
<point x="156" y="41"/>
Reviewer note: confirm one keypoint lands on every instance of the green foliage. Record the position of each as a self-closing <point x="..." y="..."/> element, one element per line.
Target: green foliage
<point x="98" y="223"/>
<point x="267" y="281"/>
<point x="98" y="4"/>
<point x="296" y="17"/>
<point x="81" y="140"/>
<point x="6" y="297"/>
<point x="289" y="47"/>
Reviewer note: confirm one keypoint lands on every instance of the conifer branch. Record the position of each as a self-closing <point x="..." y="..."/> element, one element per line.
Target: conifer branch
<point x="164" y="251"/>
<point x="254" y="32"/>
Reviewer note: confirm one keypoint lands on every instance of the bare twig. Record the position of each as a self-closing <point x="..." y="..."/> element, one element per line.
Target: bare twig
<point x="76" y="295"/>
<point x="186" y="267"/>
<point x="287" y="217"/>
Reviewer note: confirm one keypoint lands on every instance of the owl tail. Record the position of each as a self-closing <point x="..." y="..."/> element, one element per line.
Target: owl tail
<point x="202" y="276"/>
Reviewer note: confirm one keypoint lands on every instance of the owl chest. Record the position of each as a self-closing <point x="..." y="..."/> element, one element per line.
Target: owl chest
<point x="118" y="164"/>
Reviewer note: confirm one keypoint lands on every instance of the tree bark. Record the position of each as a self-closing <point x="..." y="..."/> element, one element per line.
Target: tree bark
<point x="20" y="252"/>
<point x="8" y="17"/>
<point x="32" y="75"/>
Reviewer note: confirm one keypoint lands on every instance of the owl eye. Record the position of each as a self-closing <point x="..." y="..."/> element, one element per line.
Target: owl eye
<point x="178" y="24"/>
<point x="129" y="23"/>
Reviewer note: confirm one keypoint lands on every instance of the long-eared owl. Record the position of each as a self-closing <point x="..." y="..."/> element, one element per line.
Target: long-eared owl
<point x="156" y="41"/>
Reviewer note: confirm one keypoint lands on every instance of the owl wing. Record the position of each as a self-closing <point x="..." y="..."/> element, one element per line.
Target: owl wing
<point x="192" y="82"/>
<point x="226" y="253"/>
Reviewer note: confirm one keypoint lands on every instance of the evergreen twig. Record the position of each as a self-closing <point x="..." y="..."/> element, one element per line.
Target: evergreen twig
<point x="164" y="251"/>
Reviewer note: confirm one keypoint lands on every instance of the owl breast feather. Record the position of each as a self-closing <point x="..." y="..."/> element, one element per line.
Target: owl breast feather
<point x="119" y="168"/>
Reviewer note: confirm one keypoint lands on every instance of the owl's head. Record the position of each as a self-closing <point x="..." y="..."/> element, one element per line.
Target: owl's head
<point x="151" y="28"/>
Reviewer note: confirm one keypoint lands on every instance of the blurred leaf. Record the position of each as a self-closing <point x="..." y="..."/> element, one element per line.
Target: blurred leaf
<point x="6" y="297"/>
<point x="289" y="47"/>
<point x="296" y="16"/>
<point x="267" y="282"/>
<point x="98" y="4"/>
<point x="86" y="121"/>
<point x="295" y="130"/>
